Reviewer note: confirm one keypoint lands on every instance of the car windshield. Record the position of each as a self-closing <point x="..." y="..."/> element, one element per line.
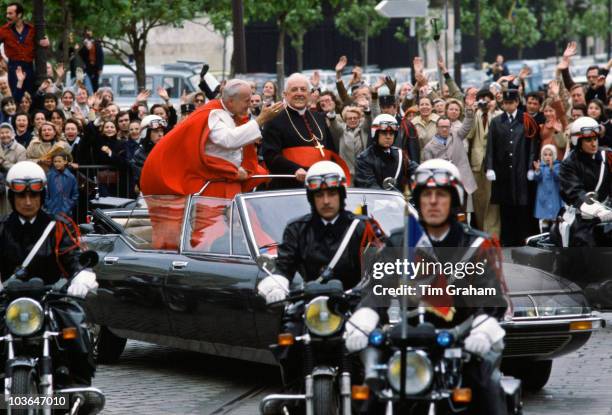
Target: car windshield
<point x="269" y="215"/>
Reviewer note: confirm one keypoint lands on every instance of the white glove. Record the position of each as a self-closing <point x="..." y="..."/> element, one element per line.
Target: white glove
<point x="273" y="288"/>
<point x="490" y="175"/>
<point x="530" y="175"/>
<point x="82" y="283"/>
<point x="596" y="210"/>
<point x="486" y="331"/>
<point x="358" y="328"/>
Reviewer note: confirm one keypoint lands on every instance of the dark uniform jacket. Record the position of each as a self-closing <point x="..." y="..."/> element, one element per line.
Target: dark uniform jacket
<point x="140" y="156"/>
<point x="17" y="240"/>
<point x="408" y="139"/>
<point x="309" y="246"/>
<point x="457" y="247"/>
<point x="374" y="165"/>
<point x="578" y="176"/>
<point x="509" y="153"/>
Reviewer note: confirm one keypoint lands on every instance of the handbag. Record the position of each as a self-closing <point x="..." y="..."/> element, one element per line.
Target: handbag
<point x="107" y="177"/>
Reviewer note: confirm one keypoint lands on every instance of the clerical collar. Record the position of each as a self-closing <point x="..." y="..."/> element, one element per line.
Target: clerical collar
<point x="333" y="221"/>
<point x="301" y="112"/>
<point x="23" y="220"/>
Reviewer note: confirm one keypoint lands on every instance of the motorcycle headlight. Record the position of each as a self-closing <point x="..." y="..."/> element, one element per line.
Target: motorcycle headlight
<point x="419" y="372"/>
<point x="320" y="320"/>
<point x="24" y="316"/>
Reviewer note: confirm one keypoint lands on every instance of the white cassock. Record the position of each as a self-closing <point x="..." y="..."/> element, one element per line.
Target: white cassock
<point x="225" y="140"/>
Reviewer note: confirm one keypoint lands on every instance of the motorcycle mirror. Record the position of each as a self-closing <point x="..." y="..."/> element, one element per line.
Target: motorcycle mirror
<point x="89" y="259"/>
<point x="389" y="183"/>
<point x="590" y="198"/>
<point x="267" y="263"/>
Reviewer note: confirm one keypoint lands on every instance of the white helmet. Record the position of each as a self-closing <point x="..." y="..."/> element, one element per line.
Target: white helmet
<point x="26" y="175"/>
<point x="584" y="127"/>
<point x="383" y="122"/>
<point x="325" y="175"/>
<point x="439" y="173"/>
<point x="153" y="122"/>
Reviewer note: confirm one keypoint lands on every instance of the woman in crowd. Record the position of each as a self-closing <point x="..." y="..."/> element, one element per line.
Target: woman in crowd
<point x="269" y="93"/>
<point x="9" y="109"/>
<point x="23" y="132"/>
<point x="41" y="146"/>
<point x="110" y="151"/>
<point x="11" y="152"/>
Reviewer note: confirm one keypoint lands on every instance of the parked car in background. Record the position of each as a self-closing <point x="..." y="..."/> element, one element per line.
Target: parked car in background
<point x="327" y="78"/>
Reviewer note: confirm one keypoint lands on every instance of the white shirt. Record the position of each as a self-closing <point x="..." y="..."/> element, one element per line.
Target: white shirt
<point x="327" y="222"/>
<point x="23" y="220"/>
<point x="225" y="140"/>
<point x="513" y="115"/>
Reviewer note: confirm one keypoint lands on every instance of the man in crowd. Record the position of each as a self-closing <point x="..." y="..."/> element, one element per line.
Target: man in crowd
<point x="596" y="77"/>
<point x="18" y="38"/>
<point x="297" y="138"/>
<point x="486" y="215"/>
<point x="507" y="160"/>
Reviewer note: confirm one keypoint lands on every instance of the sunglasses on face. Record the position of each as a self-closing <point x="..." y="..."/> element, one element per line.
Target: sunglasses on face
<point x="23" y="185"/>
<point x="199" y="101"/>
<point x="325" y="181"/>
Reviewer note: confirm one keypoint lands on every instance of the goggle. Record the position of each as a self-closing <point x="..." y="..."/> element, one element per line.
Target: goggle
<point x="324" y="181"/>
<point x="588" y="131"/>
<point x="23" y="185"/>
<point x="434" y="178"/>
<point x="155" y="124"/>
<point x="386" y="126"/>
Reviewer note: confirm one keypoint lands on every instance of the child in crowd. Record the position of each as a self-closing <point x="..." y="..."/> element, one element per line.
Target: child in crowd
<point x="62" y="189"/>
<point x="548" y="198"/>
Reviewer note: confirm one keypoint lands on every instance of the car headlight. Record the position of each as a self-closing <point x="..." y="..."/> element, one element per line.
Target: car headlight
<point x="523" y="306"/>
<point x="419" y="372"/>
<point x="320" y="320"/>
<point x="561" y="304"/>
<point x="24" y="316"/>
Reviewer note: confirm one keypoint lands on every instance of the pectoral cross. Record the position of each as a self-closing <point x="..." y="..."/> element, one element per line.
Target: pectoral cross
<point x="320" y="147"/>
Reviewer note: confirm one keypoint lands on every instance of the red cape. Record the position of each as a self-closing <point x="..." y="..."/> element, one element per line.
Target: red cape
<point x="178" y="164"/>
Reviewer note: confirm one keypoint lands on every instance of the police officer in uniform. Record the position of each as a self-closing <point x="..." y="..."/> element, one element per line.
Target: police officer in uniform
<point x="509" y="154"/>
<point x="439" y="196"/>
<point x="19" y="232"/>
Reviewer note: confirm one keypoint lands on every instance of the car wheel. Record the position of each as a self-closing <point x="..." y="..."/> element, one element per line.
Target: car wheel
<point x="534" y="374"/>
<point x="107" y="346"/>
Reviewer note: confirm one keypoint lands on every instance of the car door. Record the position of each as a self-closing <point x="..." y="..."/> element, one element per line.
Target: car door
<point x="211" y="280"/>
<point x="134" y="272"/>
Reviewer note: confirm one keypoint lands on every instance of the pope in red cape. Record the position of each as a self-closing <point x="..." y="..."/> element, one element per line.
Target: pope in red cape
<point x="214" y="145"/>
<point x="211" y="153"/>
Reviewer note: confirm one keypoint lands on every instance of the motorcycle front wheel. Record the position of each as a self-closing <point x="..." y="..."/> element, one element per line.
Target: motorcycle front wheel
<point x="325" y="398"/>
<point x="23" y="384"/>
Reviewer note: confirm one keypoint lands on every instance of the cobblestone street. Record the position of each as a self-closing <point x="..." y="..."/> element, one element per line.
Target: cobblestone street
<point x="151" y="379"/>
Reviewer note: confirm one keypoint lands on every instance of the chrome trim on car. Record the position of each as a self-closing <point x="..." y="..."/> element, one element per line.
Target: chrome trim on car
<point x="532" y="237"/>
<point x="218" y="349"/>
<point x="541" y="321"/>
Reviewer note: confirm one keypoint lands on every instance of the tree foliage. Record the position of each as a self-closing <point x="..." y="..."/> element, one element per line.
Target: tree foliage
<point x="358" y="20"/>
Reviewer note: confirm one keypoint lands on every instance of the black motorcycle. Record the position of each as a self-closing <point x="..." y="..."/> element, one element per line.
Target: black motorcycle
<point x="43" y="327"/>
<point x="317" y="313"/>
<point x="418" y="369"/>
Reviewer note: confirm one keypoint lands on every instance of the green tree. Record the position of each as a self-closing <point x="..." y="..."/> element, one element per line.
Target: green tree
<point x="520" y="29"/>
<point x="592" y="19"/>
<point x="557" y="24"/>
<point x="124" y="25"/>
<point x="358" y="20"/>
<point x="292" y="17"/>
<point x="298" y="24"/>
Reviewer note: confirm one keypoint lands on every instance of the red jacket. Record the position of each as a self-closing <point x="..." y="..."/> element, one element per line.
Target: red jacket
<point x="15" y="50"/>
